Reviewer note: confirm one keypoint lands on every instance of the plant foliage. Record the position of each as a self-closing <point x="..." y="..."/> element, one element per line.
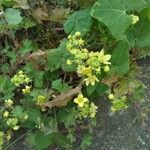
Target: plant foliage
<point x="57" y="58"/>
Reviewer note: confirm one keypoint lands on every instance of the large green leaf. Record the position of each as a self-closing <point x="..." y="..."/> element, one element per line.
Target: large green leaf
<point x="13" y="16"/>
<point x="120" y="58"/>
<point x="113" y="13"/>
<point x="78" y="21"/>
<point x="139" y="35"/>
<point x="43" y="141"/>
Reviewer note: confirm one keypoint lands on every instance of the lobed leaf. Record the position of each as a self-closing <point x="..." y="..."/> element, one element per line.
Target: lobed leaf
<point x="113" y="13"/>
<point x="79" y="21"/>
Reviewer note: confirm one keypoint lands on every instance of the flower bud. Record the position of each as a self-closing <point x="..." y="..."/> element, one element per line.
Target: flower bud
<point x="111" y="96"/>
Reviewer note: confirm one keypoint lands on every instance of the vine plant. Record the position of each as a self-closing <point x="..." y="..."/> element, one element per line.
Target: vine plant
<point x="51" y="91"/>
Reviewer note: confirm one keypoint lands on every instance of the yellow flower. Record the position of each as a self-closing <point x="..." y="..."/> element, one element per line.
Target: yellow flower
<point x="77" y="34"/>
<point x="80" y="100"/>
<point x="104" y="58"/>
<point x="8" y="103"/>
<point x="84" y="70"/>
<point x="91" y="80"/>
<point x="41" y="99"/>
<point x="69" y="47"/>
<point x="69" y="62"/>
<point x="135" y="18"/>
<point x="106" y="68"/>
<point x="27" y="80"/>
<point x="81" y="42"/>
<point x="111" y="96"/>
<point x="93" y="110"/>
<point x="6" y="114"/>
<point x="79" y="69"/>
<point x="27" y="90"/>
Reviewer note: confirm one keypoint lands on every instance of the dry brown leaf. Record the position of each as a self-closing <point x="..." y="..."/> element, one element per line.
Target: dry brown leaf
<point x="62" y="99"/>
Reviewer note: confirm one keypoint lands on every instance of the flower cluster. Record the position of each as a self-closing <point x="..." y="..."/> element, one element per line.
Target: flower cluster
<point x="20" y="78"/>
<point x="117" y="103"/>
<point x="8" y="103"/>
<point x="135" y="18"/>
<point x="11" y="121"/>
<point x="85" y="108"/>
<point x="89" y="64"/>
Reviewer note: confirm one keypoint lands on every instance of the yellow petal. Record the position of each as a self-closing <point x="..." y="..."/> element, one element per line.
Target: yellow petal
<point x="80" y="96"/>
<point x="76" y="100"/>
<point x="85" y="100"/>
<point x="16" y="127"/>
<point x="93" y="82"/>
<point x="81" y="104"/>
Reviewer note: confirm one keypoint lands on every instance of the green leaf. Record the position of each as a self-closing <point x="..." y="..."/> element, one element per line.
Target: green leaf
<point x="54" y="59"/>
<point x="13" y="16"/>
<point x="51" y="125"/>
<point x="5" y="68"/>
<point x="34" y="115"/>
<point x="3" y="80"/>
<point x="61" y="140"/>
<point x="12" y="55"/>
<point x="27" y="23"/>
<point x="43" y="141"/>
<point x="113" y="13"/>
<point x="27" y="47"/>
<point x="57" y="58"/>
<point x="91" y="89"/>
<point x="6" y="2"/>
<point x="138" y="95"/>
<point x="99" y="88"/>
<point x="65" y="67"/>
<point x="86" y="3"/>
<point x="139" y="35"/>
<point x="62" y="2"/>
<point x="18" y="112"/>
<point x="68" y="117"/>
<point x="50" y="76"/>
<point x="79" y="21"/>
<point x="38" y="80"/>
<point x="59" y="86"/>
<point x="120" y="59"/>
<point x="6" y="87"/>
<point x="86" y="141"/>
